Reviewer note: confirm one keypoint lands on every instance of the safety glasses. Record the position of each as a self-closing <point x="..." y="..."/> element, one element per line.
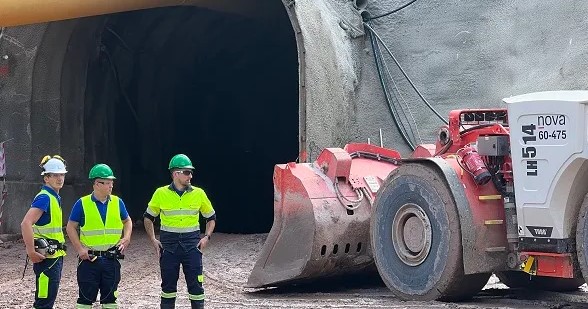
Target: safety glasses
<point x="186" y="173"/>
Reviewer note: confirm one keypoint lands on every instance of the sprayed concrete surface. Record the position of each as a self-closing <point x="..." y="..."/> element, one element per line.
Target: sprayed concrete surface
<point x="227" y="262"/>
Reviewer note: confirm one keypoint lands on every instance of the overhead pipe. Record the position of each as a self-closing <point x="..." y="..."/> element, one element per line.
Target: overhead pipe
<point x="23" y="12"/>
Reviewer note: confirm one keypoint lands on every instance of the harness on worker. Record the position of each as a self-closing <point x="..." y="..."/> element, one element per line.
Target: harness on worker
<point x="46" y="247"/>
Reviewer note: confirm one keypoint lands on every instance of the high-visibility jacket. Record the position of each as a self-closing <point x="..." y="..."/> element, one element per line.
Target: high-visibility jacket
<point x="53" y="229"/>
<point x="96" y="234"/>
<point x="180" y="214"/>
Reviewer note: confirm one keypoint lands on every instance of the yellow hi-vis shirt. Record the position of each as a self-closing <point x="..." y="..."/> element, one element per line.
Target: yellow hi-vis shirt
<point x="180" y="214"/>
<point x="98" y="235"/>
<point x="53" y="229"/>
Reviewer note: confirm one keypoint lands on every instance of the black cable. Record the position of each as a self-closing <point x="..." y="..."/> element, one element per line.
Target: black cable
<point x="373" y="33"/>
<point x="373" y="156"/>
<point x="124" y="44"/>
<point x="398" y="102"/>
<point x="25" y="268"/>
<point x="386" y="95"/>
<point x="392" y="12"/>
<point x="401" y="115"/>
<point x="120" y="87"/>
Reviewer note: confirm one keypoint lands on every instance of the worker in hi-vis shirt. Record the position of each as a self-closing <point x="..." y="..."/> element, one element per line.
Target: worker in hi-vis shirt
<point x="179" y="206"/>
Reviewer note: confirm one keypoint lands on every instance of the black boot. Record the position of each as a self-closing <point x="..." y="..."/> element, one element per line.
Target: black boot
<point x="168" y="304"/>
<point x="197" y="304"/>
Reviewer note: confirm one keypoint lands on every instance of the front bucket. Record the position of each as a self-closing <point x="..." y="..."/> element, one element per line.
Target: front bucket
<point x="313" y="234"/>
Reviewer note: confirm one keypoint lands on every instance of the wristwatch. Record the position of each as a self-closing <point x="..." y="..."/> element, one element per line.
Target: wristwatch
<point x="207" y="236"/>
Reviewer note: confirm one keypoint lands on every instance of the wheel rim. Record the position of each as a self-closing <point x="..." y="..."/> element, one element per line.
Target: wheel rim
<point x="411" y="234"/>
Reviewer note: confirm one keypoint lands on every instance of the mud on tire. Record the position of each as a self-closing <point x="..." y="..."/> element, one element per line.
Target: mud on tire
<point x="415" y="212"/>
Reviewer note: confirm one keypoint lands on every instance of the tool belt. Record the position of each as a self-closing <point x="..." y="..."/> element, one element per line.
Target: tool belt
<point x="110" y="254"/>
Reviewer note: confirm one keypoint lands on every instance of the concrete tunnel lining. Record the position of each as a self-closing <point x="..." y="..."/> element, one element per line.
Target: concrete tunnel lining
<point x="131" y="80"/>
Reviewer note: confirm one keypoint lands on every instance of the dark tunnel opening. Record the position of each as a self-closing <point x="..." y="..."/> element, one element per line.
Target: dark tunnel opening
<point x="221" y="88"/>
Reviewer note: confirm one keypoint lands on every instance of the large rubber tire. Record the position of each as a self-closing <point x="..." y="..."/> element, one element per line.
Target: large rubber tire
<point x="519" y="279"/>
<point x="582" y="238"/>
<point x="439" y="275"/>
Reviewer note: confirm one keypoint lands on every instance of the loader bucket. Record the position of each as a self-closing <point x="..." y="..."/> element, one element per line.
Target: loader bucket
<point x="314" y="235"/>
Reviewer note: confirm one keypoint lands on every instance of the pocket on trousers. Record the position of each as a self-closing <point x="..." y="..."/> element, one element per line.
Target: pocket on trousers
<point x="43" y="284"/>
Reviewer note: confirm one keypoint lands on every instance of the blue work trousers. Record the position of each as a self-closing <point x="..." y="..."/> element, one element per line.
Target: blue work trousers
<point x="48" y="275"/>
<point x="191" y="262"/>
<point x="101" y="275"/>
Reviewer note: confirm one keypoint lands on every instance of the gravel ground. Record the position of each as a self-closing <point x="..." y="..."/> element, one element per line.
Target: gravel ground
<point x="227" y="263"/>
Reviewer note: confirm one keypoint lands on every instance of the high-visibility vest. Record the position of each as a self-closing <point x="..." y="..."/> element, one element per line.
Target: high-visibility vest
<point x="95" y="234"/>
<point x="180" y="214"/>
<point x="53" y="229"/>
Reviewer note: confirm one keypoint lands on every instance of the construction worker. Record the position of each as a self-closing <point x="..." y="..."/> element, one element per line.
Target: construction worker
<point x="42" y="227"/>
<point x="179" y="206"/>
<point x="102" y="219"/>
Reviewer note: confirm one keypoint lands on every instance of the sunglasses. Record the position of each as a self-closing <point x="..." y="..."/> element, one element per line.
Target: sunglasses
<point x="187" y="173"/>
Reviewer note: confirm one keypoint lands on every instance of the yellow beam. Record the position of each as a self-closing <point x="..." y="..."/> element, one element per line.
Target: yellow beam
<point x="23" y="12"/>
<point x="489" y="197"/>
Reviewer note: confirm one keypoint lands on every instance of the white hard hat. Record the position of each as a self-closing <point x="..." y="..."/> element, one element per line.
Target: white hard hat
<point x="54" y="166"/>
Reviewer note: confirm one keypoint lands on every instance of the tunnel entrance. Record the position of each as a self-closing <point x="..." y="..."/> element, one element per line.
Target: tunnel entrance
<point x="218" y="87"/>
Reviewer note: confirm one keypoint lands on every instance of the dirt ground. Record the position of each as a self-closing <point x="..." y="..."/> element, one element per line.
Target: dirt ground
<point x="227" y="263"/>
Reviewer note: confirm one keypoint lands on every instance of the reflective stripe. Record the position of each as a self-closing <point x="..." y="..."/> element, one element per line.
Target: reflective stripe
<point x="97" y="234"/>
<point x="45" y="230"/>
<point x="168" y="295"/>
<point x="180" y="229"/>
<point x="179" y="212"/>
<point x="43" y="283"/>
<point x="200" y="278"/>
<point x="103" y="232"/>
<point x="208" y="214"/>
<point x="151" y="212"/>
<point x="53" y="229"/>
<point x="102" y="247"/>
<point x="110" y="306"/>
<point x="196" y="297"/>
<point x="82" y="306"/>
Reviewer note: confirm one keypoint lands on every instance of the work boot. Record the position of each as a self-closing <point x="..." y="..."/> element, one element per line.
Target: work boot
<point x="197" y="304"/>
<point x="167" y="305"/>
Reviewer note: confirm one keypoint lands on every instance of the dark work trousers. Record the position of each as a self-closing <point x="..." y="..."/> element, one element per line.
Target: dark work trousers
<point x="169" y="263"/>
<point x="48" y="275"/>
<point x="101" y="275"/>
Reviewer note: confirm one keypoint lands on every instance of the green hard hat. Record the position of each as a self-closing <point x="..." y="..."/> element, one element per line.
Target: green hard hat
<point x="101" y="171"/>
<point x="180" y="161"/>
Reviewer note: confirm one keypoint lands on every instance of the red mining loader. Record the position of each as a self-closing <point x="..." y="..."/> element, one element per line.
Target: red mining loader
<point x="501" y="191"/>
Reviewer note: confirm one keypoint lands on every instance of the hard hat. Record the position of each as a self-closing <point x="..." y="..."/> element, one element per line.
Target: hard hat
<point x="43" y="247"/>
<point x="101" y="171"/>
<point x="53" y="165"/>
<point x="180" y="161"/>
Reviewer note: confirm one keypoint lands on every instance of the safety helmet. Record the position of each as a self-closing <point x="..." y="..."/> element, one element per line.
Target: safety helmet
<point x="53" y="165"/>
<point x="180" y="161"/>
<point x="102" y="171"/>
